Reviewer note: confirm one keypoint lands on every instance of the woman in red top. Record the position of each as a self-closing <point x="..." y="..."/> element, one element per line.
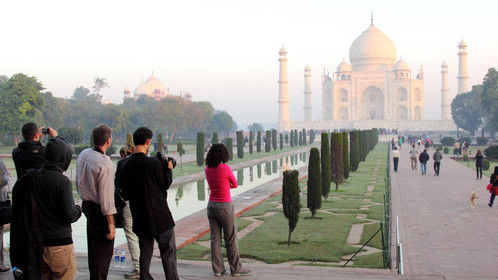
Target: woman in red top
<point x="220" y="211"/>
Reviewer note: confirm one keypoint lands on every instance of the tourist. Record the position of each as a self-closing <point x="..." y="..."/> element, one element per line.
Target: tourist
<point x="220" y="212"/>
<point x="145" y="183"/>
<point x="95" y="184"/>
<point x="493" y="182"/>
<point x="437" y="157"/>
<point x="4" y="206"/>
<point x="29" y="153"/>
<point x="43" y="202"/>
<point x="457" y="148"/>
<point x="423" y="158"/>
<point x="127" y="219"/>
<point x="413" y="157"/>
<point x="478" y="158"/>
<point x="395" y="159"/>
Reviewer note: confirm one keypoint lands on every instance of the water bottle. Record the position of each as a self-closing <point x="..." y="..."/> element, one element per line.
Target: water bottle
<point x="116" y="258"/>
<point x="123" y="258"/>
<point x="17" y="273"/>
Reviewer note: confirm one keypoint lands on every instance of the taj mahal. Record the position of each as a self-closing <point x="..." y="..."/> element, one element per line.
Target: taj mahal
<point x="375" y="90"/>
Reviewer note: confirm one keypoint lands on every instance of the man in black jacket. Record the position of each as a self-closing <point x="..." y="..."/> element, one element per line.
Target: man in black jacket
<point x="145" y="183"/>
<point x="423" y="158"/>
<point x="43" y="210"/>
<point x="29" y="153"/>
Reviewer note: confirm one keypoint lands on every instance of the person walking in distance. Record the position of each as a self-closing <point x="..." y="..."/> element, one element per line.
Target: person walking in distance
<point x="4" y="197"/>
<point x="478" y="158"/>
<point x="95" y="184"/>
<point x="395" y="159"/>
<point x="131" y="237"/>
<point x="493" y="183"/>
<point x="145" y="183"/>
<point x="437" y="157"/>
<point x="423" y="158"/>
<point x="220" y="211"/>
<point x="413" y="157"/>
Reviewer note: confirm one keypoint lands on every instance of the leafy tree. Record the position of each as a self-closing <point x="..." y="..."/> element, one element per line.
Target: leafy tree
<point x="200" y="148"/>
<point x="54" y="110"/>
<point x="489" y="100"/>
<point x="240" y="144"/>
<point x="99" y="84"/>
<point x="345" y="154"/>
<point x="222" y="121"/>
<point x="214" y="139"/>
<point x="337" y="162"/>
<point x="326" y="172"/>
<point x="181" y="152"/>
<point x="258" y="142"/>
<point x="466" y="110"/>
<point x="229" y="142"/>
<point x="314" y="194"/>
<point x="255" y="127"/>
<point x="290" y="199"/>
<point x="274" y="139"/>
<point x="73" y="135"/>
<point x="251" y="139"/>
<point x="268" y="141"/>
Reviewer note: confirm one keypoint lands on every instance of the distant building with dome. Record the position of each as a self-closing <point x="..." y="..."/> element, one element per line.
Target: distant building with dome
<point x="375" y="90"/>
<point x="152" y="87"/>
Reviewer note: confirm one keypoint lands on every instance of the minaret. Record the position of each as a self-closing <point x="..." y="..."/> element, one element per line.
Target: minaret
<point x="445" y="102"/>
<point x="463" y="76"/>
<point x="307" y="94"/>
<point x="283" y="92"/>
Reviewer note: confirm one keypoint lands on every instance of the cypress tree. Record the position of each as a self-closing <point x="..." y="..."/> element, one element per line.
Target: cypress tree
<point x="312" y="136"/>
<point x="345" y="154"/>
<point x="286" y="138"/>
<point x="295" y="137"/>
<point x="160" y="143"/>
<point x="200" y="148"/>
<point x="240" y="144"/>
<point x="274" y="139"/>
<point x="281" y="141"/>
<point x="290" y="199"/>
<point x="304" y="137"/>
<point x="268" y="141"/>
<point x="129" y="139"/>
<point x="229" y="142"/>
<point x="354" y="155"/>
<point x="201" y="190"/>
<point x="314" y="194"/>
<point x="363" y="145"/>
<point x="300" y="138"/>
<point x="292" y="138"/>
<point x="181" y="152"/>
<point x="258" y="142"/>
<point x="337" y="162"/>
<point x="325" y="158"/>
<point x="251" y="139"/>
<point x="214" y="139"/>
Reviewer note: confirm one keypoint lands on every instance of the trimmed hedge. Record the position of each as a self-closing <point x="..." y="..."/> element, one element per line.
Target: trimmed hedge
<point x="345" y="154"/>
<point x="290" y="199"/>
<point x="482" y="141"/>
<point x="354" y="156"/>
<point x="337" y="161"/>
<point x="274" y="139"/>
<point x="325" y="161"/>
<point x="251" y="139"/>
<point x="447" y="141"/>
<point x="258" y="142"/>
<point x="229" y="142"/>
<point x="240" y="144"/>
<point x="314" y="195"/>
<point x="268" y="141"/>
<point x="491" y="152"/>
<point x="200" y="148"/>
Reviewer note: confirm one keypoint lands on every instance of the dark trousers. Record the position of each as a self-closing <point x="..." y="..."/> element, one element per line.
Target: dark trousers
<point x="167" y="248"/>
<point x="395" y="160"/>
<point x="492" y="198"/>
<point x="99" y="247"/>
<point x="479" y="171"/>
<point x="437" y="165"/>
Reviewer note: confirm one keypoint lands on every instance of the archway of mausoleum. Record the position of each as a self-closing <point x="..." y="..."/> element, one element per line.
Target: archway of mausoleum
<point x="402" y="113"/>
<point x="372" y="104"/>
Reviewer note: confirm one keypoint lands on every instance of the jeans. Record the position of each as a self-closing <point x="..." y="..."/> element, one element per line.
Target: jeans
<point x="222" y="217"/>
<point x="423" y="167"/>
<point x="167" y="247"/>
<point x="437" y="165"/>
<point x="395" y="160"/>
<point x="479" y="171"/>
<point x="58" y="262"/>
<point x="492" y="198"/>
<point x="131" y="237"/>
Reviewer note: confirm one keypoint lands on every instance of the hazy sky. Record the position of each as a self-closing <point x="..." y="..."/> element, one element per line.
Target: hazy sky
<point x="226" y="51"/>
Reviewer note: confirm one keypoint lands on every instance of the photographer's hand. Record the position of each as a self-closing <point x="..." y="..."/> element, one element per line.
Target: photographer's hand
<point x="52" y="132"/>
<point x="170" y="165"/>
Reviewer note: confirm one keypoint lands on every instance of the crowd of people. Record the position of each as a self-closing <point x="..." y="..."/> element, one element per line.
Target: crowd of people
<point x="132" y="196"/>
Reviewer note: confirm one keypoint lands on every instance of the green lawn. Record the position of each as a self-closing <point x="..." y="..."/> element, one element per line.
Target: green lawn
<point x="472" y="165"/>
<point x="324" y="238"/>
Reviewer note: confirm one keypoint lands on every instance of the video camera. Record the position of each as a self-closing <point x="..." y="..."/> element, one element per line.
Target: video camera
<point x="167" y="159"/>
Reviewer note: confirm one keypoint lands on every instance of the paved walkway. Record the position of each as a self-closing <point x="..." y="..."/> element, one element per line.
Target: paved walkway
<point x="440" y="234"/>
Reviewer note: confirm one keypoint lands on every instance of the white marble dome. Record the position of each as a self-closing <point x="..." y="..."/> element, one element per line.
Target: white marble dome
<point x="401" y="65"/>
<point x="149" y="87"/>
<point x="372" y="51"/>
<point x="344" y="67"/>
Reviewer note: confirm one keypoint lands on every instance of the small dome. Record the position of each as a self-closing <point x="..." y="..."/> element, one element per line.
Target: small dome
<point x="140" y="90"/>
<point x="372" y="50"/>
<point x="150" y="87"/>
<point x="401" y="65"/>
<point x="344" y="67"/>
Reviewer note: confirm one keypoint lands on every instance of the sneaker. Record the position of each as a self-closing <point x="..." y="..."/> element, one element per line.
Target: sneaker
<point x="489" y="204"/>
<point x="242" y="272"/>
<point x="134" y="274"/>
<point x="220" y="273"/>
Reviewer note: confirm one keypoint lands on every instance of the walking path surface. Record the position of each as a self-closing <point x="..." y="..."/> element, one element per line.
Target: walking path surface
<point x="440" y="234"/>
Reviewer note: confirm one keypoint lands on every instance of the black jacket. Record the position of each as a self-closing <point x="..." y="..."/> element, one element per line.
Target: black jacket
<point x="145" y="183"/>
<point x="423" y="157"/>
<point x="28" y="155"/>
<point x="479" y="160"/>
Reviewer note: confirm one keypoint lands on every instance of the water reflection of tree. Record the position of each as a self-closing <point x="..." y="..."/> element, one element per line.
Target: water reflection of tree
<point x="259" y="170"/>
<point x="179" y="194"/>
<point x="305" y="156"/>
<point x="201" y="190"/>
<point x="251" y="174"/>
<point x="274" y="166"/>
<point x="292" y="160"/>
<point x="267" y="168"/>
<point x="281" y="162"/>
<point x="240" y="177"/>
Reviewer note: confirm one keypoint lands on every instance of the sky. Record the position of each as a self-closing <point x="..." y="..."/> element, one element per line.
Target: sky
<point x="226" y="51"/>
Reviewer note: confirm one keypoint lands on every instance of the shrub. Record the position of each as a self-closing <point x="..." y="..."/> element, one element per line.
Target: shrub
<point x="268" y="141"/>
<point x="325" y="162"/>
<point x="240" y="144"/>
<point x="337" y="161"/>
<point x="251" y="139"/>
<point x="290" y="199"/>
<point x="345" y="153"/>
<point x="447" y="141"/>
<point x="482" y="141"/>
<point x="229" y="142"/>
<point x="465" y="157"/>
<point x="446" y="150"/>
<point x="485" y="164"/>
<point x="314" y="195"/>
<point x="354" y="155"/>
<point x="214" y="139"/>
<point x="79" y="148"/>
<point x="491" y="152"/>
<point x="258" y="142"/>
<point x="200" y="148"/>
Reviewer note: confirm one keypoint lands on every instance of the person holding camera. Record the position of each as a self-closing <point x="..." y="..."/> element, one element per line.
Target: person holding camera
<point x="29" y="153"/>
<point x="145" y="183"/>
